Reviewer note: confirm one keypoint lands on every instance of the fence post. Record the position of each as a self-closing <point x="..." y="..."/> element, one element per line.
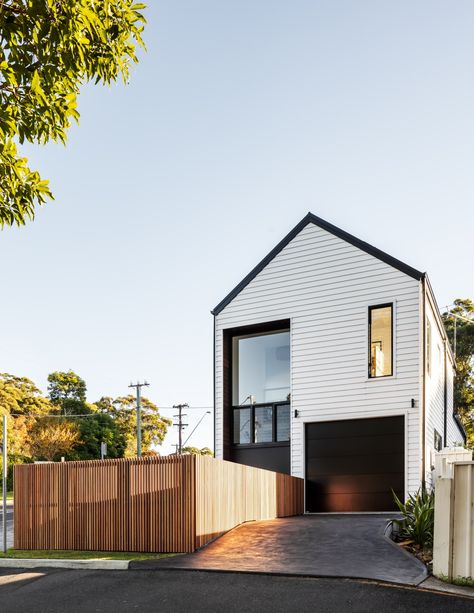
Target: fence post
<point x="443" y="529"/>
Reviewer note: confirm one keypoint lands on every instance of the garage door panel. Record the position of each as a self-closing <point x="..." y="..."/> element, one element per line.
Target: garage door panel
<point x="353" y="465"/>
<point x="354" y="503"/>
<point x="353" y="445"/>
<point x="355" y="427"/>
<point x="350" y="484"/>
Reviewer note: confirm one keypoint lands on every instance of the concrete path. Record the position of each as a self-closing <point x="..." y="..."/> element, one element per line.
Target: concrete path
<point x="351" y="546"/>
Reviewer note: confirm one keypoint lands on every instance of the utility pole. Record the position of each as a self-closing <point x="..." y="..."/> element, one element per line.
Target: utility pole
<point x="4" y="483"/>
<point x="138" y="387"/>
<point x="180" y="425"/>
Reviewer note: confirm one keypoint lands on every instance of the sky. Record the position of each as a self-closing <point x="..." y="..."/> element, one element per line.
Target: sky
<point x="239" y="119"/>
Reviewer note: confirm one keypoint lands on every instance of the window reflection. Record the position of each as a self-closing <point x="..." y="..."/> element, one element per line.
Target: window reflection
<point x="283" y="422"/>
<point x="261" y="368"/>
<point x="263" y="424"/>
<point x="242" y="426"/>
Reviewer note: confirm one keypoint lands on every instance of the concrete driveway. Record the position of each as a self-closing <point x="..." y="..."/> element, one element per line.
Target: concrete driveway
<point x="346" y="545"/>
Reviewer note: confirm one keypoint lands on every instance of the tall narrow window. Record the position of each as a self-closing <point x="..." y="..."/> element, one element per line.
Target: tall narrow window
<point x="381" y="341"/>
<point x="428" y="346"/>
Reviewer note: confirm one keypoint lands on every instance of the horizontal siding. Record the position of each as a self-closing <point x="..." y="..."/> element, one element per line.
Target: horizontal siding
<point x="435" y="395"/>
<point x="324" y="286"/>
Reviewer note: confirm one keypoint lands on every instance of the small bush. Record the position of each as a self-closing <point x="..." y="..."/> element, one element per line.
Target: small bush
<point x="461" y="581"/>
<point x="417" y="524"/>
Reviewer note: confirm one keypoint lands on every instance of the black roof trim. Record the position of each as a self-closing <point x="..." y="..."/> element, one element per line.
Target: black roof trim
<point x="325" y="225"/>
<point x="460" y="426"/>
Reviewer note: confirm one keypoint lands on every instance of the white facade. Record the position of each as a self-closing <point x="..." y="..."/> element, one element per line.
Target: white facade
<point x="439" y="386"/>
<point x="324" y="285"/>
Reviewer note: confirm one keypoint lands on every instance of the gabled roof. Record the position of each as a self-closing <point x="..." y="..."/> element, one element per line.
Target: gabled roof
<point x="329" y="227"/>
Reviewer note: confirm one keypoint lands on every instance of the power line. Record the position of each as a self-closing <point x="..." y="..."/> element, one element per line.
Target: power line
<point x="126" y="409"/>
<point x="196" y="427"/>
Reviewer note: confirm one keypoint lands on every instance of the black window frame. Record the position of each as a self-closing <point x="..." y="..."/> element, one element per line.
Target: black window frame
<point x="437" y="440"/>
<point x="371" y="308"/>
<point x="274" y="442"/>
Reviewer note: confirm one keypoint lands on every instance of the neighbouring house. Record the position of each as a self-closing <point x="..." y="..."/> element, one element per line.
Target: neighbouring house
<point x="332" y="364"/>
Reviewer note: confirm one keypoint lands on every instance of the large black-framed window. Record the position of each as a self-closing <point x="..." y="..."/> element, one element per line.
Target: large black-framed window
<point x="261" y="368"/>
<point x="261" y="424"/>
<point x="380" y="349"/>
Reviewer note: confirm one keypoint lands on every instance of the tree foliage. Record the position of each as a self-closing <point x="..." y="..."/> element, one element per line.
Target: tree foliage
<point x="48" y="50"/>
<point x="67" y="391"/>
<point x="94" y="430"/>
<point x="21" y="399"/>
<point x="123" y="411"/>
<point x="197" y="451"/>
<point x="464" y="380"/>
<point x="66" y="386"/>
<point x="20" y="396"/>
<point x="65" y="424"/>
<point x="52" y="438"/>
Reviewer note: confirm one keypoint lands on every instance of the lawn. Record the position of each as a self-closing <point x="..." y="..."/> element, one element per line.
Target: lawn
<point x="53" y="554"/>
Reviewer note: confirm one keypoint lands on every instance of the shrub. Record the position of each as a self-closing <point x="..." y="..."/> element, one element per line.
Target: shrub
<point x="418" y="517"/>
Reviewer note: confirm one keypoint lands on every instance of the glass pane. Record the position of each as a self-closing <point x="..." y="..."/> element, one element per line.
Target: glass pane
<point x="242" y="427"/>
<point x="381" y="341"/>
<point x="261" y="368"/>
<point x="283" y="422"/>
<point x="263" y="424"/>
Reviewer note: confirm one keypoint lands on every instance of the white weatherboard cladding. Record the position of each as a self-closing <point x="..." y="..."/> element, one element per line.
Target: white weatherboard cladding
<point x="324" y="285"/>
<point x="435" y="394"/>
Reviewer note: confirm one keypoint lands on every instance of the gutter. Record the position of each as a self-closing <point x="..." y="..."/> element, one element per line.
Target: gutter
<point x="423" y="391"/>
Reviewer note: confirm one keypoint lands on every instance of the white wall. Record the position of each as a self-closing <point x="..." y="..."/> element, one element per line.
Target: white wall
<point x="435" y="393"/>
<point x="324" y="286"/>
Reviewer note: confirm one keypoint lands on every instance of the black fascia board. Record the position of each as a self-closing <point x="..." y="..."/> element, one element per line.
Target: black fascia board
<point x="325" y="225"/>
<point x="460" y="426"/>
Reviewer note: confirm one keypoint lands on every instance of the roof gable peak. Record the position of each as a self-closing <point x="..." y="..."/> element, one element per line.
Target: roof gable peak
<point x="332" y="229"/>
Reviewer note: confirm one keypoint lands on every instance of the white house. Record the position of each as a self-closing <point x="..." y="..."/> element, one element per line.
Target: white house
<point x="332" y="364"/>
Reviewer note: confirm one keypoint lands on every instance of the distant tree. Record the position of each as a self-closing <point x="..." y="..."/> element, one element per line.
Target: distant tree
<point x="197" y="451"/>
<point x="20" y="398"/>
<point x="48" y="50"/>
<point x="94" y="430"/>
<point x="53" y="438"/>
<point x="123" y="411"/>
<point x="464" y="379"/>
<point x="67" y="390"/>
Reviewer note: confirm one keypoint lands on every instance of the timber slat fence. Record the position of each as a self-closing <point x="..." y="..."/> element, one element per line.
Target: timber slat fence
<point x="168" y="504"/>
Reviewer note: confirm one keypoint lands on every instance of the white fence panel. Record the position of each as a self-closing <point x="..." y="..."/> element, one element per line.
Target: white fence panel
<point x="453" y="549"/>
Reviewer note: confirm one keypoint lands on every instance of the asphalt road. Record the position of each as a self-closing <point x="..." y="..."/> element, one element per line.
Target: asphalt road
<point x="9" y="526"/>
<point x="58" y="591"/>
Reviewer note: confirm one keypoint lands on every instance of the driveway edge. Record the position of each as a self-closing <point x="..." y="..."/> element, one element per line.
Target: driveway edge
<point x="71" y="564"/>
<point x="424" y="574"/>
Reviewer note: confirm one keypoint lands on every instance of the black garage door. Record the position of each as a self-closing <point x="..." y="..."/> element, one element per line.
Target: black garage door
<point x="352" y="465"/>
